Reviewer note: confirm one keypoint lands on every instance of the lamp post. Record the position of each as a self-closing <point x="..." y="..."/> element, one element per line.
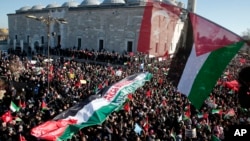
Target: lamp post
<point x="47" y="21"/>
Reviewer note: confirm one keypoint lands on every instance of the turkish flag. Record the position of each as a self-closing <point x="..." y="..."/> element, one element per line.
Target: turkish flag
<point x="148" y="93"/>
<point x="127" y="107"/>
<point x="130" y="96"/>
<point x="22" y="138"/>
<point x="7" y="117"/>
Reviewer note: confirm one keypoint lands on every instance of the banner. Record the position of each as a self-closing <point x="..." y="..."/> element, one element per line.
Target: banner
<point x="91" y="111"/>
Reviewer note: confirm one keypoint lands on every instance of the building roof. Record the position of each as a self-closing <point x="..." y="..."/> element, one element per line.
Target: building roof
<point x="90" y="2"/>
<point x="70" y="4"/>
<point x="112" y="2"/>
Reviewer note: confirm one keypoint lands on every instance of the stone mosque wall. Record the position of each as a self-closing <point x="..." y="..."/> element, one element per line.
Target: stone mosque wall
<point x="113" y="27"/>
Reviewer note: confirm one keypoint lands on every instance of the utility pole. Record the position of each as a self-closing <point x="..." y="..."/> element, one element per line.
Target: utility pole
<point x="48" y="20"/>
<point x="191" y="6"/>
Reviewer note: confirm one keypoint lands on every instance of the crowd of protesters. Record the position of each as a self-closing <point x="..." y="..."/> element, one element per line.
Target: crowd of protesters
<point x="159" y="111"/>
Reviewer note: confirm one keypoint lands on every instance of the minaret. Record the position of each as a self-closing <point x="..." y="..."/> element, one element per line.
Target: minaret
<point x="191" y="6"/>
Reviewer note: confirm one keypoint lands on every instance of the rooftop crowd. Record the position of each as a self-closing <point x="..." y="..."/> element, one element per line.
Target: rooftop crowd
<point x="155" y="112"/>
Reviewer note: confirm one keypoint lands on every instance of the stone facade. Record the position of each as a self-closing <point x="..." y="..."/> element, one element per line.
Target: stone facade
<point x="109" y="27"/>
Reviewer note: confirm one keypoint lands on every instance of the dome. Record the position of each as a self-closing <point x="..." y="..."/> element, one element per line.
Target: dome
<point x="52" y="5"/>
<point x="180" y="4"/>
<point x="90" y="2"/>
<point x="70" y="4"/>
<point x="172" y="2"/>
<point x="112" y="2"/>
<point x="37" y="7"/>
<point x="25" y="8"/>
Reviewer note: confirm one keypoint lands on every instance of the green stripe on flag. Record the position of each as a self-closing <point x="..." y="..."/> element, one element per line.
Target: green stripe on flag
<point x="14" y="107"/>
<point x="173" y="136"/>
<point x="200" y="115"/>
<point x="98" y="117"/>
<point x="216" y="111"/>
<point x="214" y="138"/>
<point x="209" y="73"/>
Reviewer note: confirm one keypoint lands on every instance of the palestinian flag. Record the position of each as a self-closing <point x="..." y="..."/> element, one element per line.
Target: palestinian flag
<point x="126" y="107"/>
<point x="208" y="53"/>
<point x="22" y="104"/>
<point x="230" y="113"/>
<point x="44" y="105"/>
<point x="216" y="111"/>
<point x="187" y="115"/>
<point x="91" y="111"/>
<point x="14" y="107"/>
<point x="187" y="112"/>
<point x="203" y="115"/>
<point x="200" y="115"/>
<point x="159" y="29"/>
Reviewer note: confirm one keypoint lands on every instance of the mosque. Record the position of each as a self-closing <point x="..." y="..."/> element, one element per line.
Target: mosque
<point x="112" y="25"/>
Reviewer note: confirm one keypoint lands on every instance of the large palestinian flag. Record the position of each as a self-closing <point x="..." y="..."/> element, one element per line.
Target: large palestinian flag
<point x="211" y="50"/>
<point x="91" y="111"/>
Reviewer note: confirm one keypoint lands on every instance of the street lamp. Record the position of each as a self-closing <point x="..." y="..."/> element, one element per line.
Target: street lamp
<point x="48" y="20"/>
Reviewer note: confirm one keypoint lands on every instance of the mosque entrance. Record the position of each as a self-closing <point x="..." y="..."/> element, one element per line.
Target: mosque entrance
<point x="129" y="46"/>
<point x="79" y="43"/>
<point x="36" y="45"/>
<point x="100" y="45"/>
<point x="59" y="41"/>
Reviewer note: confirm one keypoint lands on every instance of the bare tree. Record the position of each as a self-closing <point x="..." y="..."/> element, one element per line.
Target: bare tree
<point x="246" y="33"/>
<point x="246" y="36"/>
<point x="16" y="67"/>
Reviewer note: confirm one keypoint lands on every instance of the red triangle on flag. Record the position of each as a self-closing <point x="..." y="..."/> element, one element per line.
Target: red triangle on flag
<point x="187" y="111"/>
<point x="44" y="105"/>
<point x="230" y="112"/>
